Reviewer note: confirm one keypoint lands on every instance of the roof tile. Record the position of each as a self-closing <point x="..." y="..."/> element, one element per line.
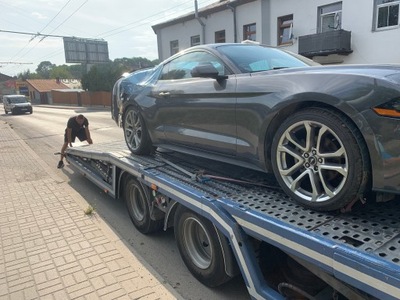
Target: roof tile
<point x="46" y="85"/>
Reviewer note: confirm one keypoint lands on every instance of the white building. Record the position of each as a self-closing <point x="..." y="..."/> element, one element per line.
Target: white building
<point x="347" y="31"/>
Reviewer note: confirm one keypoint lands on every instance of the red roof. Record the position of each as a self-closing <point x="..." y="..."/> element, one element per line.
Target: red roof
<point x="46" y="85"/>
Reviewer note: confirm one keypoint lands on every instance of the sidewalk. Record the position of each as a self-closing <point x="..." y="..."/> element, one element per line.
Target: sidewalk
<point x="49" y="249"/>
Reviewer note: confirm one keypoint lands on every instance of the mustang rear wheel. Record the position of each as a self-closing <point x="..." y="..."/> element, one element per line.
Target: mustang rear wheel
<point x="136" y="136"/>
<point x="319" y="159"/>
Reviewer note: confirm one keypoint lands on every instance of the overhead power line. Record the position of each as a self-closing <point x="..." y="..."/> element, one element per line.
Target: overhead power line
<point x="14" y="63"/>
<point x="45" y="35"/>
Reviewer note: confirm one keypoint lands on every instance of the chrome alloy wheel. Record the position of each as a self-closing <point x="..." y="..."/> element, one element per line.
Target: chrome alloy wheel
<point x="133" y="129"/>
<point x="312" y="161"/>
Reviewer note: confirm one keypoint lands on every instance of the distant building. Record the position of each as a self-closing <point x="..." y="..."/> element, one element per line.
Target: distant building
<point x="7" y="85"/>
<point x="72" y="83"/>
<point x="40" y="89"/>
<point x="347" y="31"/>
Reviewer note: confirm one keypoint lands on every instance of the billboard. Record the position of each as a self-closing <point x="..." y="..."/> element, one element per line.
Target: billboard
<point x="89" y="51"/>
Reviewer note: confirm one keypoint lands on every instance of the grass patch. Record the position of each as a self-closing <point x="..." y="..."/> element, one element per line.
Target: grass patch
<point x="89" y="210"/>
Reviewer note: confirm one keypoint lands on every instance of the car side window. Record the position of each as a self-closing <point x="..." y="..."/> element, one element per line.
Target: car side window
<point x="182" y="66"/>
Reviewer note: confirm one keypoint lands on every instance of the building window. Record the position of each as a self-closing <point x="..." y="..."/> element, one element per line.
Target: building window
<point x="285" y="30"/>
<point x="330" y="17"/>
<point x="249" y="32"/>
<point x="195" y="40"/>
<point x="174" y="47"/>
<point x="220" y="36"/>
<point x="387" y="13"/>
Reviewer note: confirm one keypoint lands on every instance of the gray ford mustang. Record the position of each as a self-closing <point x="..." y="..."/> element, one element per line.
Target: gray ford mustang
<point x="329" y="134"/>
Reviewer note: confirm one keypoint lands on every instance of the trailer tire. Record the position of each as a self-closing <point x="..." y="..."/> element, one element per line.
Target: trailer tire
<point x="137" y="200"/>
<point x="200" y="249"/>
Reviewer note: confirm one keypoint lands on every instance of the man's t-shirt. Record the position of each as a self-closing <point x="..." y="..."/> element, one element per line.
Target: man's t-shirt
<point x="74" y="125"/>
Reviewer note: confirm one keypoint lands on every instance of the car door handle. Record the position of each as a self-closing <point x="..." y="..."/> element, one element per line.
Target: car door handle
<point x="164" y="94"/>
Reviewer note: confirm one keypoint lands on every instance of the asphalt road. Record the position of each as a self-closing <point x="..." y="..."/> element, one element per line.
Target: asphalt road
<point x="43" y="131"/>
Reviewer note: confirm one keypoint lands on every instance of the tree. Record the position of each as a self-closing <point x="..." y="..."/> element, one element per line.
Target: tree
<point x="101" y="77"/>
<point x="61" y="72"/>
<point x="27" y="75"/>
<point x="76" y="71"/>
<point x="133" y="64"/>
<point x="44" y="69"/>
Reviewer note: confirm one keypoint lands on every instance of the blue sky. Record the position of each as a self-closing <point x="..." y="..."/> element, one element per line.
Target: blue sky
<point x="124" y="24"/>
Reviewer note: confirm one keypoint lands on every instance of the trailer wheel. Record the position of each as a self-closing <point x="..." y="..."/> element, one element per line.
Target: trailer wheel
<point x="200" y="249"/>
<point x="137" y="200"/>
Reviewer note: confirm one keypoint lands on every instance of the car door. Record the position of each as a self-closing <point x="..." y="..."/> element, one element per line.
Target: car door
<point x="197" y="112"/>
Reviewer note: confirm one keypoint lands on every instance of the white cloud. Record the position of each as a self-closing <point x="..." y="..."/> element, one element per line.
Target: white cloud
<point x="124" y="24"/>
<point x="38" y="16"/>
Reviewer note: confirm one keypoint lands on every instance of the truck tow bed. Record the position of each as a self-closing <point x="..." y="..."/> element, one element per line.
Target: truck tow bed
<point x="361" y="248"/>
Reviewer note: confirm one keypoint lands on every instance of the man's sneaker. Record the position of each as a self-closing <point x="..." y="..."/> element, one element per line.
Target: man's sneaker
<point x="60" y="164"/>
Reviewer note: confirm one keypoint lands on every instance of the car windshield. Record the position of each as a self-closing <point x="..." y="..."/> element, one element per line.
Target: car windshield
<point x="138" y="76"/>
<point x="18" y="100"/>
<point x="255" y="58"/>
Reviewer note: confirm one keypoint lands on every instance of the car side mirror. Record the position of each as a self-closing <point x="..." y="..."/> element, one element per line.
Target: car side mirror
<point x="207" y="71"/>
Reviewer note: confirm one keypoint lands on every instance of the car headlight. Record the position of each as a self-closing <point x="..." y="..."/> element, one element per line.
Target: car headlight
<point x="389" y="109"/>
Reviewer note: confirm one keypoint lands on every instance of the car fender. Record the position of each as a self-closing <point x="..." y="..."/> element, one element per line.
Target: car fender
<point x="299" y="101"/>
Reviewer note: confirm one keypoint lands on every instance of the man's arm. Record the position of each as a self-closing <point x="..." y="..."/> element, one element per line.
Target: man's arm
<point x="88" y="138"/>
<point x="69" y="136"/>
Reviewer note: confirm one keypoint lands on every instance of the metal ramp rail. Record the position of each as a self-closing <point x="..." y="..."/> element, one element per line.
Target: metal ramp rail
<point x="361" y="248"/>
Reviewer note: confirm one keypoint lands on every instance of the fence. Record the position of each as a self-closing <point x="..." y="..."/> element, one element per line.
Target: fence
<point x="81" y="98"/>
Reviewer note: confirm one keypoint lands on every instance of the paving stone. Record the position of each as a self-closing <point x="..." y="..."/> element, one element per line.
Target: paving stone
<point x="49" y="249"/>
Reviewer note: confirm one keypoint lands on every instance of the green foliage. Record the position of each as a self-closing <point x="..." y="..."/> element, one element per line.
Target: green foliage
<point x="28" y="75"/>
<point x="44" y="69"/>
<point x="60" y="72"/>
<point x="89" y="210"/>
<point x="133" y="64"/>
<point x="101" y="77"/>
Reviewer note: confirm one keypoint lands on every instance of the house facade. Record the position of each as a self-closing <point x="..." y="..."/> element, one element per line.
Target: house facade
<point x="40" y="90"/>
<point x="347" y="31"/>
<point x="7" y="85"/>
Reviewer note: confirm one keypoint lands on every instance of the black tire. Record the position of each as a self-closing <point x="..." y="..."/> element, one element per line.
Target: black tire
<point x="137" y="199"/>
<point x="200" y="249"/>
<point x="6" y="111"/>
<point x="329" y="171"/>
<point x="135" y="132"/>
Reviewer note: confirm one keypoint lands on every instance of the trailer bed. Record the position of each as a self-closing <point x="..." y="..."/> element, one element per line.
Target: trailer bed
<point x="361" y="248"/>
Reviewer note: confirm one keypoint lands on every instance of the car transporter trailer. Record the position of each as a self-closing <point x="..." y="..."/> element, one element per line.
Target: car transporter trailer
<point x="229" y="219"/>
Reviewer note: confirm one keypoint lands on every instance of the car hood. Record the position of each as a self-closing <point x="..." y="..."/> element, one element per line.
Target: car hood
<point x="386" y="72"/>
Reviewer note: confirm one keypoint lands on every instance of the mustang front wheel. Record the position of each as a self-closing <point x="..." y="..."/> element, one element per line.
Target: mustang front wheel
<point x="136" y="136"/>
<point x="319" y="159"/>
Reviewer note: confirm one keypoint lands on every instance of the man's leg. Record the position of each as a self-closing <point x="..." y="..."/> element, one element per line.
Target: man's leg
<point x="61" y="162"/>
<point x="63" y="148"/>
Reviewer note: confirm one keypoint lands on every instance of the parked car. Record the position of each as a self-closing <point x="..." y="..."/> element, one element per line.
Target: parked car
<point x="328" y="133"/>
<point x="16" y="104"/>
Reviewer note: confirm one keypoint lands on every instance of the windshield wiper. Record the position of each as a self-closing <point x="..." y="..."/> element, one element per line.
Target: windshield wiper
<point x="278" y="68"/>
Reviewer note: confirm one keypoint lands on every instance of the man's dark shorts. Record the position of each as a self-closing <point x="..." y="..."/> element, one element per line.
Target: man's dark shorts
<point x="80" y="134"/>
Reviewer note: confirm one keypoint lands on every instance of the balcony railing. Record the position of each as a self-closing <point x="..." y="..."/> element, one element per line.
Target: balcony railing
<point x="326" y="43"/>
